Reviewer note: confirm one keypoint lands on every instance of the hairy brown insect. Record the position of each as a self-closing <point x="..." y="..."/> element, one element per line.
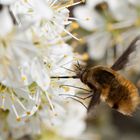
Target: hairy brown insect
<point x="108" y="85"/>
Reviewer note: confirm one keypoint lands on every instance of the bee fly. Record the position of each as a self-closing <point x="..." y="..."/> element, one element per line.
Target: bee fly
<point x="108" y="85"/>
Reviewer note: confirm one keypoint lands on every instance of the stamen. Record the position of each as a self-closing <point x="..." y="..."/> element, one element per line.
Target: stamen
<point x="50" y="102"/>
<point x="53" y="3"/>
<point x="74" y="59"/>
<point x="29" y="96"/>
<point x="68" y="69"/>
<point x="28" y="113"/>
<point x="37" y="97"/>
<point x="66" y="31"/>
<point x="23" y="115"/>
<point x="15" y="111"/>
<point x="61" y="59"/>
<point x="77" y="19"/>
<point x="24" y="78"/>
<point x="66" y="63"/>
<point x="73" y="4"/>
<point x="21" y="104"/>
<point x="3" y="102"/>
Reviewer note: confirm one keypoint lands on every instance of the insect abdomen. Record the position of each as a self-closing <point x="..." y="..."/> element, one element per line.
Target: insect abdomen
<point x="123" y="96"/>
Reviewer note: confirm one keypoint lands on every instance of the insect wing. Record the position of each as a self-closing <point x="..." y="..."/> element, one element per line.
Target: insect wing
<point x="123" y="60"/>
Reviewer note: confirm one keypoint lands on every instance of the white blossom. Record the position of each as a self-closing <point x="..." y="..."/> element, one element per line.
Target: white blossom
<point x="6" y="22"/>
<point x="104" y="26"/>
<point x="31" y="53"/>
<point x="68" y="120"/>
<point x="47" y="18"/>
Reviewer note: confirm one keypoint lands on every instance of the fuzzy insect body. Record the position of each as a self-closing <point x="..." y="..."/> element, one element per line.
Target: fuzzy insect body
<point x="108" y="85"/>
<point x="111" y="87"/>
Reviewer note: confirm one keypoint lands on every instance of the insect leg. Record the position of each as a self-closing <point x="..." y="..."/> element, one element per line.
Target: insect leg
<point x="79" y="102"/>
<point x="75" y="87"/>
<point x="82" y="98"/>
<point x="94" y="100"/>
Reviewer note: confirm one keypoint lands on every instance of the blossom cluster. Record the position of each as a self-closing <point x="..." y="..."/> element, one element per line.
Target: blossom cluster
<point x="111" y="26"/>
<point x="32" y="50"/>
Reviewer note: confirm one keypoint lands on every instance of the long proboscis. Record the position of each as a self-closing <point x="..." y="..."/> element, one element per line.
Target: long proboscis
<point x="64" y="77"/>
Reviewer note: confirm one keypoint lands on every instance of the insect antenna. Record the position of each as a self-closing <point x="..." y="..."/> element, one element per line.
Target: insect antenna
<point x="78" y="101"/>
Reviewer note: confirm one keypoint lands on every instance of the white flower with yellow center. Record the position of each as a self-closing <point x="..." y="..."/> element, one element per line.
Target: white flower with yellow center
<point x="20" y="103"/>
<point x="58" y="58"/>
<point x="47" y="18"/>
<point x="26" y="70"/>
<point x="15" y="54"/>
<point x="23" y="99"/>
<point x="14" y="51"/>
<point x="68" y="113"/>
<point x="105" y="17"/>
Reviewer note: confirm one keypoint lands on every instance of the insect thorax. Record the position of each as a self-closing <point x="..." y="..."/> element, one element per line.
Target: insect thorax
<point x="99" y="75"/>
<point x="103" y="77"/>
